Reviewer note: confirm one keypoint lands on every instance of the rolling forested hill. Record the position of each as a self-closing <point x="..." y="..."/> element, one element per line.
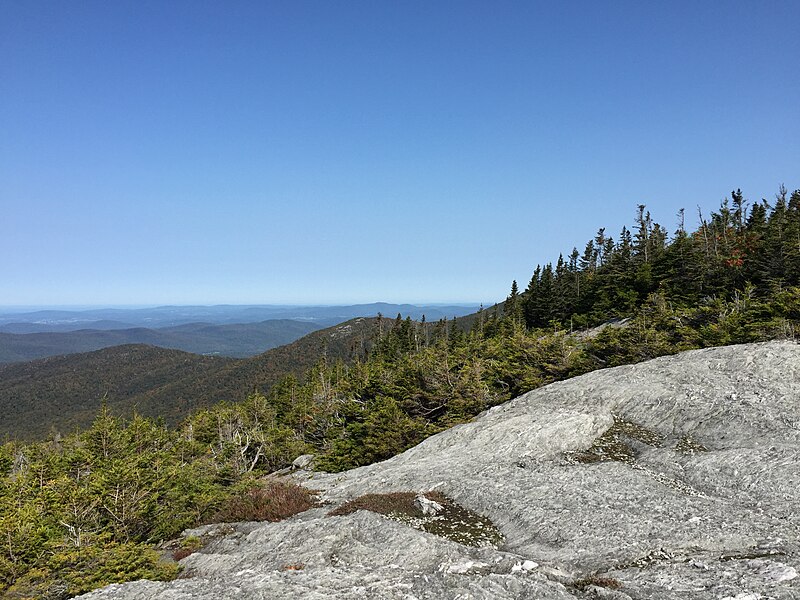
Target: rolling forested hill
<point x="17" y="321"/>
<point x="65" y="392"/>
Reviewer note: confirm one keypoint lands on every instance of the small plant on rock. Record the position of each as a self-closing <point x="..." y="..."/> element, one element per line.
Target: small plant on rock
<point x="598" y="581"/>
<point x="189" y="545"/>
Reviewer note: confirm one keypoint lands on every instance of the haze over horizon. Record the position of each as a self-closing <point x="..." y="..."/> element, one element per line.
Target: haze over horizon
<point x="316" y="153"/>
<point x="11" y="308"/>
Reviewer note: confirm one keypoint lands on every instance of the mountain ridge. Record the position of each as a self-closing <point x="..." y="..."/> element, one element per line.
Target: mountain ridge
<point x="232" y="340"/>
<point x="66" y="392"/>
<point x="171" y="315"/>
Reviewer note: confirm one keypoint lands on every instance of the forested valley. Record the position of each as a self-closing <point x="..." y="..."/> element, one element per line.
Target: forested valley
<point x="87" y="509"/>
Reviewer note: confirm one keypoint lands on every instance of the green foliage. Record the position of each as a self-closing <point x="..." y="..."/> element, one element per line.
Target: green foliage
<point x="74" y="570"/>
<point x="730" y="251"/>
<point x="64" y="393"/>
<point x="6" y="459"/>
<point x="374" y="431"/>
<point x="81" y="512"/>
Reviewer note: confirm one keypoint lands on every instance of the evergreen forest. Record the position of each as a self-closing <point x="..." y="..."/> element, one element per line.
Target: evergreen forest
<point x="95" y="507"/>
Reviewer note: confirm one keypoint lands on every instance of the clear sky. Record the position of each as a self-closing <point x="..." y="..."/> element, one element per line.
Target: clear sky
<point x="341" y="151"/>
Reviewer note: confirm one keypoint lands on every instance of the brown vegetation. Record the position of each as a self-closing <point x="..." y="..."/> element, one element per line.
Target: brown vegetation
<point x="401" y="503"/>
<point x="598" y="581"/>
<point x="182" y="553"/>
<point x="452" y="521"/>
<point x="272" y="501"/>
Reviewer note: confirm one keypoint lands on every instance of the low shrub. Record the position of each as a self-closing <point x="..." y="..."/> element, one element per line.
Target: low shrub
<point x="271" y="501"/>
<point x="182" y="553"/>
<point x="72" y="571"/>
<point x="189" y="545"/>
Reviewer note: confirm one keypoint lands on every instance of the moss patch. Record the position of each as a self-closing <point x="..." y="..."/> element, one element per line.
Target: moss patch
<point x="453" y="522"/>
<point x="688" y="445"/>
<point x="612" y="444"/>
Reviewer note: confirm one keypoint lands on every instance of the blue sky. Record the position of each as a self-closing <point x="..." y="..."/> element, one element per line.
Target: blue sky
<point x="337" y="152"/>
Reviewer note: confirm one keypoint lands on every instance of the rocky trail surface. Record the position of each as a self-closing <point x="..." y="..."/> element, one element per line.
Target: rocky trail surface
<point x="678" y="478"/>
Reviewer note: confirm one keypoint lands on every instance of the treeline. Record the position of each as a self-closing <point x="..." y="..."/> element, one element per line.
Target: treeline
<point x="736" y="248"/>
<point x="82" y="511"/>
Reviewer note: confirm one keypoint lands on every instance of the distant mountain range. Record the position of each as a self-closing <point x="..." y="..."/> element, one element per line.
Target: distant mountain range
<point x="234" y="331"/>
<point x="62" y="393"/>
<point x="237" y="340"/>
<point x="170" y="316"/>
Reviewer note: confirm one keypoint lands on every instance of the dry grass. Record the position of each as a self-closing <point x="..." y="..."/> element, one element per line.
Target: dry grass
<point x="272" y="501"/>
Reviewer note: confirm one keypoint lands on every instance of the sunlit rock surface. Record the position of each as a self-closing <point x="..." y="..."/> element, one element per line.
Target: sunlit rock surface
<point x="676" y="478"/>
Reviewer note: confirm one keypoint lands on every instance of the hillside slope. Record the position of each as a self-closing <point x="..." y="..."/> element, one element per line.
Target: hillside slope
<point x="64" y="393"/>
<point x="671" y="479"/>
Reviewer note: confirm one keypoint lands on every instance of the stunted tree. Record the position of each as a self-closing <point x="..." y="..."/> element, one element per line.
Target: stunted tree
<point x="644" y="226"/>
<point x="513" y="310"/>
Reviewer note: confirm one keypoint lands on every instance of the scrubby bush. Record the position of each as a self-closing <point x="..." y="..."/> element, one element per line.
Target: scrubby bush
<point x="269" y="501"/>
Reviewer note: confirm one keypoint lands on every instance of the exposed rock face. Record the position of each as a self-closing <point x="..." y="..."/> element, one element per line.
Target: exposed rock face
<point x="676" y="478"/>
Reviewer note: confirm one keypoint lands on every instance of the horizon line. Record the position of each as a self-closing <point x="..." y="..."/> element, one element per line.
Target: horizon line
<point x="78" y="306"/>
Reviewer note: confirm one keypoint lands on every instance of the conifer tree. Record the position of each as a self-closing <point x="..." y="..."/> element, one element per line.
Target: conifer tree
<point x="513" y="306"/>
<point x="644" y="226"/>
